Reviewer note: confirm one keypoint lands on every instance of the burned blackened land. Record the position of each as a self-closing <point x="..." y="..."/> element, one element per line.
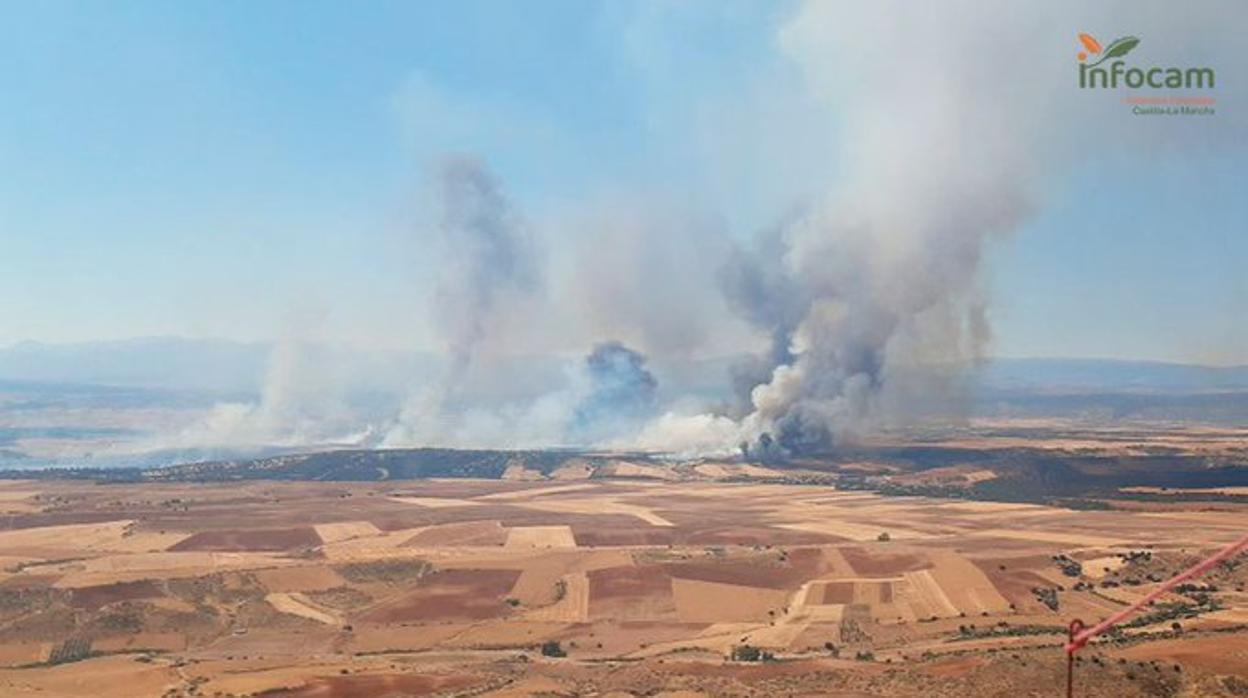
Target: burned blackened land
<point x="1075" y="480"/>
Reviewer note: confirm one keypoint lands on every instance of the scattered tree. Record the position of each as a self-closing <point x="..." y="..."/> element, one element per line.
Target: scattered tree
<point x="750" y="653"/>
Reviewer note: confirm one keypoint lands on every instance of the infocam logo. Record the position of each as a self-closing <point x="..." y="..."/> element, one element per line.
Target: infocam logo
<point x="1101" y="68"/>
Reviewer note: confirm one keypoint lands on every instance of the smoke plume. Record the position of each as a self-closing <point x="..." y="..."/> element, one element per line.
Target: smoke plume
<point x="943" y="120"/>
<point x="621" y="394"/>
<point x="883" y="272"/>
<point x="302" y="402"/>
<point x="487" y="262"/>
<point x="489" y="257"/>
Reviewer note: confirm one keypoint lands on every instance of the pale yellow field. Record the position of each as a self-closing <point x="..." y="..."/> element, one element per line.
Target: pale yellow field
<point x="573" y="470"/>
<point x="921" y="596"/>
<point x="730" y="470"/>
<point x="336" y="532"/>
<point x="112" y="676"/>
<point x="508" y="633"/>
<point x="965" y="585"/>
<point x="540" y="537"/>
<point x="1238" y="616"/>
<point x="540" y="575"/>
<point x="17" y="501"/>
<point x="374" y="638"/>
<point x="172" y="604"/>
<point x="122" y="568"/>
<point x="68" y="537"/>
<point x="1098" y="567"/>
<point x="435" y="502"/>
<point x="529" y="493"/>
<point x="115" y="536"/>
<point x="298" y="605"/>
<point x="711" y="602"/>
<point x="604" y="505"/>
<point x="19" y="653"/>
<point x="1072" y="538"/>
<point x="309" y="578"/>
<point x="573" y="607"/>
<point x="536" y="585"/>
<point x="372" y="547"/>
<point x="626" y="469"/>
<point x="251" y="682"/>
<point x="780" y="635"/>
<point x="1229" y="524"/>
<point x="994" y="508"/>
<point x="848" y="530"/>
<point x="518" y="472"/>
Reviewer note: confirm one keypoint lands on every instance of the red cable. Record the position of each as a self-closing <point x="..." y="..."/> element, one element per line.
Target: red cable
<point x="1080" y="636"/>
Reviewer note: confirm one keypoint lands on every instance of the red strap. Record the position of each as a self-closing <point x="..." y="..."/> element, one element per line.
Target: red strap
<point x="1080" y="637"/>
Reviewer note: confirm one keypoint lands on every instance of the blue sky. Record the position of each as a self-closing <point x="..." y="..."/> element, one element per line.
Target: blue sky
<point x="206" y="169"/>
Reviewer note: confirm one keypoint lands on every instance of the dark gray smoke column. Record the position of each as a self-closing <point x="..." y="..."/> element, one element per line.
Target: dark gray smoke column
<point x="759" y="289"/>
<point x="488" y="257"/>
<point x="879" y="279"/>
<point x="487" y="264"/>
<point x="621" y="394"/>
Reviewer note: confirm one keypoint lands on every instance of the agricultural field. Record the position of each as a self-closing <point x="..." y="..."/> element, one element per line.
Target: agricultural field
<point x="631" y="582"/>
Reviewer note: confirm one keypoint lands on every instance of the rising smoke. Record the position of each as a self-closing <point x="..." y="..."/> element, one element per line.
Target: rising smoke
<point x="875" y="290"/>
<point x="489" y="258"/>
<point x="883" y="272"/>
<point x="759" y="288"/>
<point x="303" y="400"/>
<point x="621" y="394"/>
<point x="856" y="294"/>
<point x="487" y="264"/>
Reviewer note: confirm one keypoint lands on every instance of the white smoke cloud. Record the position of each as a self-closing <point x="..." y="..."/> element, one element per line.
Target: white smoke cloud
<point x="603" y="398"/>
<point x="302" y="403"/>
<point x="686" y="436"/>
<point x="488" y="263"/>
<point x="952" y="121"/>
<point x="641" y="271"/>
<point x="949" y="117"/>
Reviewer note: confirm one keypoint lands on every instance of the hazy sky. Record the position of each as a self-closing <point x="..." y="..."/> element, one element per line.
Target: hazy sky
<point x="213" y="169"/>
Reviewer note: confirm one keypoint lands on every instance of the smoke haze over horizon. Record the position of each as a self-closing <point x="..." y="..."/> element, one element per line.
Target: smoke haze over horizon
<point x="855" y="203"/>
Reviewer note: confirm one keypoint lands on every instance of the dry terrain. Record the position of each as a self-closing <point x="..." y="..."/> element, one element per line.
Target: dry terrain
<point x="646" y="581"/>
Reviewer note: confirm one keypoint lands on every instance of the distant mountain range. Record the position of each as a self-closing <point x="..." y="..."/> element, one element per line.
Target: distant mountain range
<point x="224" y="366"/>
<point x="1111" y="375"/>
<point x="153" y="362"/>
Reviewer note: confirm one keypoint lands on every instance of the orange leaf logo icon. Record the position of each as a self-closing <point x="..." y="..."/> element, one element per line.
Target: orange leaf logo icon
<point x="1090" y="43"/>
